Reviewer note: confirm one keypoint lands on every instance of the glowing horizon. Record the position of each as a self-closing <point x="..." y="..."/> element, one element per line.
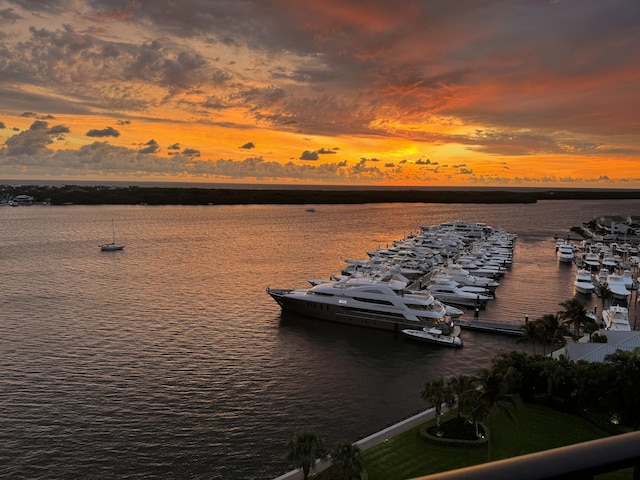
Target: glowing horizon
<point x="420" y="93"/>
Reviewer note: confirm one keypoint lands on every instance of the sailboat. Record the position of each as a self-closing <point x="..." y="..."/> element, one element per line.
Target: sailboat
<point x="113" y="246"/>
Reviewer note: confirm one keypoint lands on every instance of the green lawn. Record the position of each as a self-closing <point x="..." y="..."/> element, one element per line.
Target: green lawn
<point x="538" y="428"/>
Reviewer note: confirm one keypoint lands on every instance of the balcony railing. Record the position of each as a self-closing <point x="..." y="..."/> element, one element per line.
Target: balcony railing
<point x="575" y="462"/>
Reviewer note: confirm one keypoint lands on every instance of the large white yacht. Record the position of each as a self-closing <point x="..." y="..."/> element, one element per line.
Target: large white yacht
<point x="454" y="295"/>
<point x="616" y="317"/>
<point x="583" y="282"/>
<point x="373" y="304"/>
<point x="455" y="272"/>
<point x="616" y="284"/>
<point x="565" y="253"/>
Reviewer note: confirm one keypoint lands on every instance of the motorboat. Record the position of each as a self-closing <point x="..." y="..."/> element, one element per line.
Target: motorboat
<point x="364" y="302"/>
<point x="616" y="318"/>
<point x="616" y="285"/>
<point x="444" y="335"/>
<point x="565" y="253"/>
<point x="456" y="272"/>
<point x="451" y="294"/>
<point x="610" y="262"/>
<point x="445" y="280"/>
<point x="590" y="260"/>
<point x="627" y="277"/>
<point x="583" y="282"/>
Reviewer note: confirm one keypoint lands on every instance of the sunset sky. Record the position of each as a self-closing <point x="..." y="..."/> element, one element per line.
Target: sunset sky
<point x="491" y="93"/>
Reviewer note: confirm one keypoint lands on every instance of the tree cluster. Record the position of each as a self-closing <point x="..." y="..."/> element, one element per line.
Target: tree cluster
<point x="135" y="194"/>
<point x="306" y="447"/>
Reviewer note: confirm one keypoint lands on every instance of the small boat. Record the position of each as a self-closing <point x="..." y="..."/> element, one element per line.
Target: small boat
<point x="565" y="253"/>
<point x="627" y="277"/>
<point x="583" y="283"/>
<point x="437" y="335"/>
<point x="616" y="285"/>
<point x="616" y="318"/>
<point x="113" y="246"/>
<point x="310" y="210"/>
<point x="450" y="294"/>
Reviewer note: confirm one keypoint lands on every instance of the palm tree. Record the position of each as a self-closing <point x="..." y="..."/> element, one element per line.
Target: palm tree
<point x="493" y="397"/>
<point x="605" y="293"/>
<point x="553" y="332"/>
<point x="574" y="313"/>
<point x="463" y="387"/>
<point x="346" y="456"/>
<point x="625" y="388"/>
<point x="530" y="334"/>
<point x="438" y="394"/>
<point x="591" y="326"/>
<point x="303" y="450"/>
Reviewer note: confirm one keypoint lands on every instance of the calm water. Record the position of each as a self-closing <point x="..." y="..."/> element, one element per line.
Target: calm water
<point x="169" y="360"/>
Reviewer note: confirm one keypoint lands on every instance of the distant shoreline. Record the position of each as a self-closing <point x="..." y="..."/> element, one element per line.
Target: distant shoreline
<point x="134" y="195"/>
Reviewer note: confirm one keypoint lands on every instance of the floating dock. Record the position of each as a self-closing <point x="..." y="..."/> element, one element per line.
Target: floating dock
<point x="488" y="326"/>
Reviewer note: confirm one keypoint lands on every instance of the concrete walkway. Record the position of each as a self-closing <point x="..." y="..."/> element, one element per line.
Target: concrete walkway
<point x="368" y="442"/>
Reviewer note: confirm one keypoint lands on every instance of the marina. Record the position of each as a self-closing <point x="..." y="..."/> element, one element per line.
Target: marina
<point x="378" y="292"/>
<point x="168" y="359"/>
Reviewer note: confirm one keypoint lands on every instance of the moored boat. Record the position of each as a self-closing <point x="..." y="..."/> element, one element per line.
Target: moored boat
<point x="565" y="253"/>
<point x="583" y="283"/>
<point x="437" y="335"/>
<point x="362" y="302"/>
<point x="616" y="317"/>
<point x="616" y="285"/>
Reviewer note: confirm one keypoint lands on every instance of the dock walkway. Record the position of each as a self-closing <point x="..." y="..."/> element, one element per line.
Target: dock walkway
<point x="492" y="326"/>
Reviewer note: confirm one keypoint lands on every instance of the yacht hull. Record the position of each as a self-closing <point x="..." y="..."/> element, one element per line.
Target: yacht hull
<point x="341" y="314"/>
<point x="434" y="336"/>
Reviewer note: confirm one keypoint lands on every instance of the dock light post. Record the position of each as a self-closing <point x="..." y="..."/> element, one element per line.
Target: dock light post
<point x="477" y="312"/>
<point x="526" y="319"/>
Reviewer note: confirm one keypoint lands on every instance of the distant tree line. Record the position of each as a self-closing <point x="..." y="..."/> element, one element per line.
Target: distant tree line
<point x="133" y="195"/>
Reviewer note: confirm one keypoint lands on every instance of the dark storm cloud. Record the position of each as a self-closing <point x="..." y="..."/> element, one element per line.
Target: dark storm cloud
<point x="32" y="142"/>
<point x="59" y="129"/>
<point x="309" y="155"/>
<point x="191" y="152"/>
<point x="39" y="125"/>
<point x="150" y="147"/>
<point x="43" y="6"/>
<point x="9" y="15"/>
<point x="249" y="145"/>
<point x="325" y="151"/>
<point x="153" y="63"/>
<point x="105" y="132"/>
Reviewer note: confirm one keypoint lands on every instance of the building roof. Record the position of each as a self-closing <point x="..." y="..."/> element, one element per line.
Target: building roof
<point x="596" y="352"/>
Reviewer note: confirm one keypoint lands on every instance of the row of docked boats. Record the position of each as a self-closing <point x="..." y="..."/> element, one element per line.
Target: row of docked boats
<point x="618" y="281"/>
<point x="606" y="270"/>
<point x="419" y="286"/>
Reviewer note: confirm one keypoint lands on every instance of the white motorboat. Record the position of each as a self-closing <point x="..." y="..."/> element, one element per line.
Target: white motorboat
<point x="445" y="280"/>
<point x="364" y="302"/>
<point x="590" y="260"/>
<point x="610" y="262"/>
<point x="616" y="318"/>
<point x="583" y="282"/>
<point x="616" y="285"/>
<point x="627" y="277"/>
<point x="449" y="337"/>
<point x="455" y="272"/>
<point x="454" y="295"/>
<point x="565" y="253"/>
